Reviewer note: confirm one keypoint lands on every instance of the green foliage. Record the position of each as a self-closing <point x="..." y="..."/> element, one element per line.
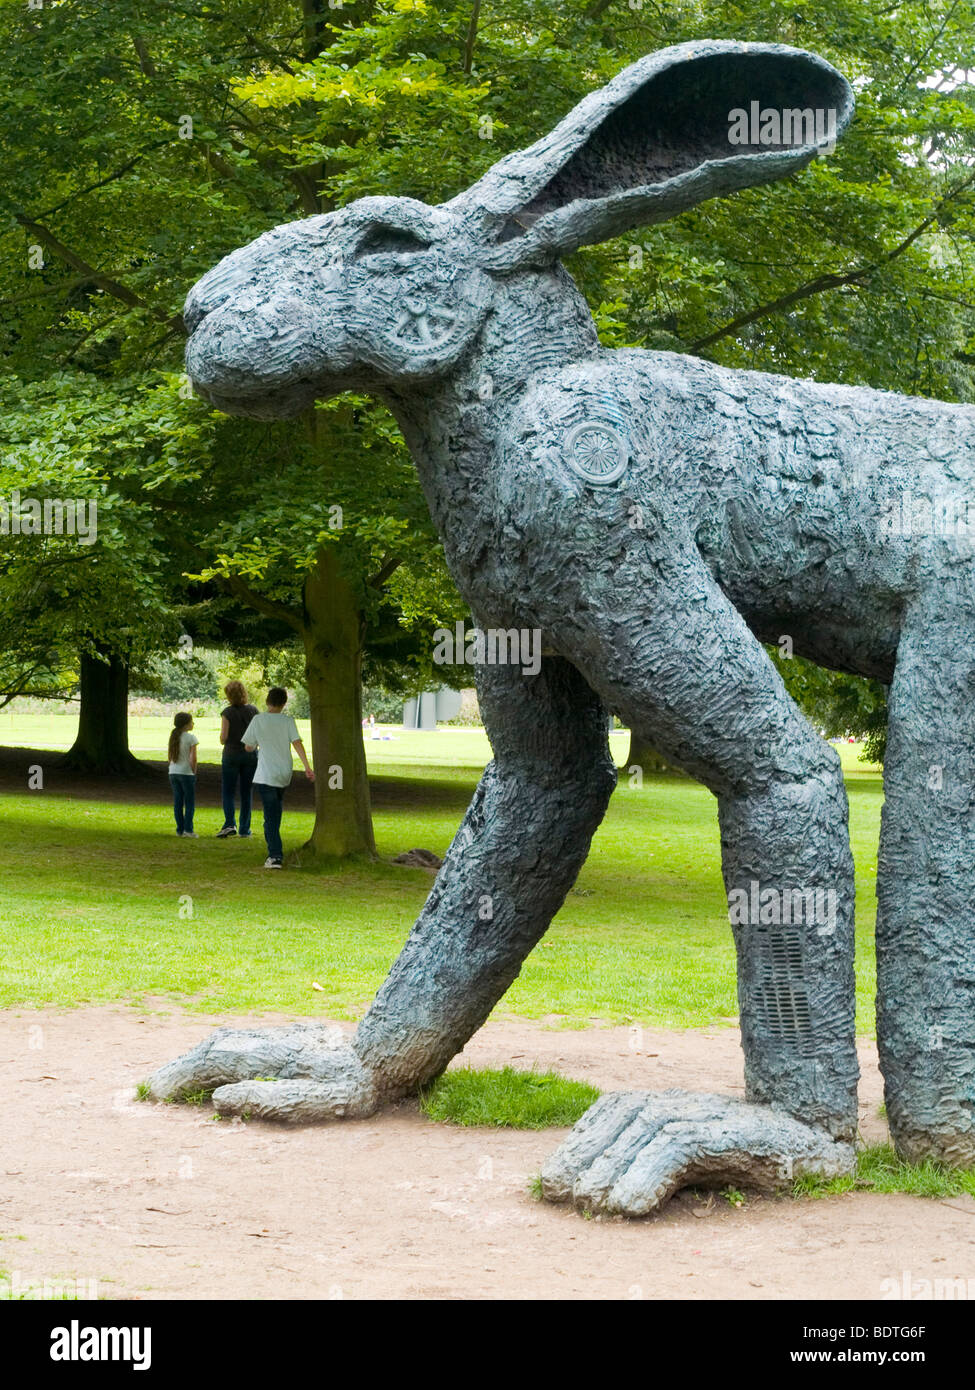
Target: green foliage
<point x="65" y="438"/>
<point x="878" y="1169"/>
<point x="387" y="706"/>
<point x="838" y="704"/>
<point x="181" y="679"/>
<point x="860" y="269"/>
<point x="507" y="1099"/>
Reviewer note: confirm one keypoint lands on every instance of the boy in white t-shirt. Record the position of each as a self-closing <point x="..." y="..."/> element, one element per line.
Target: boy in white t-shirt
<point x="274" y="735"/>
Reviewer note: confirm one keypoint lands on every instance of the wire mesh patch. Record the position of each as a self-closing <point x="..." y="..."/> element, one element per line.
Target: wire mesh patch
<point x="783" y="988"/>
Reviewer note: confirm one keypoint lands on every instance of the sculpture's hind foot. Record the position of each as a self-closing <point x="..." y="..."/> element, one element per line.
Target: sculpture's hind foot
<point x="634" y="1149"/>
<point x="955" y="1148"/>
<point x="297" y="1073"/>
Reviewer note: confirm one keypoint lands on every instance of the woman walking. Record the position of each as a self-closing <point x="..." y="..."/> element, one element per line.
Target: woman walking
<point x="237" y="763"/>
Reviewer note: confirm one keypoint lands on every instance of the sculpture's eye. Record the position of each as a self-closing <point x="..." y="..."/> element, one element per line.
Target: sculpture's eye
<point x="390" y="247"/>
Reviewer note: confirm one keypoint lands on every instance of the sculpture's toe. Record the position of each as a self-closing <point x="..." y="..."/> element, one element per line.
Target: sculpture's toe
<point x="632" y="1151"/>
<point x="298" y="1101"/>
<point x="229" y="1055"/>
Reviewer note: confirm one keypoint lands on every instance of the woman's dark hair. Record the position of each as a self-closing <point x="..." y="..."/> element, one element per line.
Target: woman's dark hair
<point x="180" y="722"/>
<point x="277" y="695"/>
<point x="235" y="692"/>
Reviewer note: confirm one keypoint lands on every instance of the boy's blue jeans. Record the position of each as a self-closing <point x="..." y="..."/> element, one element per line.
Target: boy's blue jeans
<point x="232" y="767"/>
<point x="184" y="800"/>
<point x="272" y="799"/>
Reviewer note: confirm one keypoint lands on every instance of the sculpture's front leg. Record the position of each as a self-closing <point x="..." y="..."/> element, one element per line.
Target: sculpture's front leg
<point x="522" y="842"/>
<point x="524" y="838"/>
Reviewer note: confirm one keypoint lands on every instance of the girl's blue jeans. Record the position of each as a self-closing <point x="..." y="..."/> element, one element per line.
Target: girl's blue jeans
<point x="184" y="800"/>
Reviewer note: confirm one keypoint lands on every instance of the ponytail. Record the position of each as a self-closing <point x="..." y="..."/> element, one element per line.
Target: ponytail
<point x="180" y="722"/>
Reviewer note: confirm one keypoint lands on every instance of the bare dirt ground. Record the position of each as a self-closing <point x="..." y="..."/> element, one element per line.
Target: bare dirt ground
<point x="162" y="1201"/>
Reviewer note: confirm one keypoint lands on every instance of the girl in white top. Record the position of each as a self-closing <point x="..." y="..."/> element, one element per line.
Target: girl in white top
<point x="182" y="773"/>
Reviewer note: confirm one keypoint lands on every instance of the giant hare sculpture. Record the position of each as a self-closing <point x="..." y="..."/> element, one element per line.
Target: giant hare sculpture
<point x="657" y="518"/>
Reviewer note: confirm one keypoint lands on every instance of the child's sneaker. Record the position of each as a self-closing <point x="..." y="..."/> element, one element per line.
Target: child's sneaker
<point x="190" y="835"/>
<point x="270" y="863"/>
<point x="226" y="831"/>
<point x="244" y="834"/>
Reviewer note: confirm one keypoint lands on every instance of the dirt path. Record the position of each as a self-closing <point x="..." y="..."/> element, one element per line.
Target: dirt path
<point x="160" y="1201"/>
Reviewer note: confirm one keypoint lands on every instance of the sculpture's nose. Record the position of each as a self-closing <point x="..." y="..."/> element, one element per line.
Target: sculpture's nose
<point x="247" y="343"/>
<point x="216" y="287"/>
<point x="195" y="311"/>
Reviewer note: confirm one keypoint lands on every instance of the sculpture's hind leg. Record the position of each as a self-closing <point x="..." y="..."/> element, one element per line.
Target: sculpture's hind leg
<point x="685" y="669"/>
<point x="926" y="884"/>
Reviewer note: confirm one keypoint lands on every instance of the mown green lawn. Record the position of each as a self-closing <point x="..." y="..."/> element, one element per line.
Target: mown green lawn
<point x="101" y="901"/>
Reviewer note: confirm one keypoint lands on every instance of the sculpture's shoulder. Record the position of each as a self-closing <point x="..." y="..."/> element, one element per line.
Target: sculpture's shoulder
<point x="619" y="383"/>
<point x="575" y="430"/>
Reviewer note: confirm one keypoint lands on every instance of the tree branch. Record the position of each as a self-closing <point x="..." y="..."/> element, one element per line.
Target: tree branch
<point x="235" y="585"/>
<point x="104" y="282"/>
<point x="387" y="568"/>
<point x="269" y="607"/>
<point x="20" y="685"/>
<point x="471" y="38"/>
<point x="831" y="281"/>
<point x="783" y="301"/>
<point x="145" y="58"/>
<point x="109" y="178"/>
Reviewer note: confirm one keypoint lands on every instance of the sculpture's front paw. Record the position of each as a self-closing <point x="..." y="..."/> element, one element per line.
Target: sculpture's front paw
<point x="297" y="1073"/>
<point x="634" y="1149"/>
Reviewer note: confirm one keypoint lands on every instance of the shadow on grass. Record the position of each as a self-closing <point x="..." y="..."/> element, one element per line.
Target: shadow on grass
<point x="152" y="785"/>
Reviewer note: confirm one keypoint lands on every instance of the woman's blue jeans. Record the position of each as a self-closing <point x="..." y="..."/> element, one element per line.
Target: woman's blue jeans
<point x="238" y="767"/>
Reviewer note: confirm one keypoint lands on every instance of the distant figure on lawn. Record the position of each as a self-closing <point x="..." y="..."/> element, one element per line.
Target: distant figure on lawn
<point x="238" y="764"/>
<point x="182" y="773"/>
<point x="275" y="734"/>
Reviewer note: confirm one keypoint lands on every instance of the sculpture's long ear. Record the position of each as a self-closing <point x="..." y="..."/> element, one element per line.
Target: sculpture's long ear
<point x="656" y="140"/>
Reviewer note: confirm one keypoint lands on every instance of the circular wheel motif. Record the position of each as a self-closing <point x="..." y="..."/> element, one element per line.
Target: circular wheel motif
<point x="423" y="324"/>
<point x="596" y="452"/>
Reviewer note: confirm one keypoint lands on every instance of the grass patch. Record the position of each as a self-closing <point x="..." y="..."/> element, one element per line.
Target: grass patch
<point x="199" y="1097"/>
<point x="878" y="1169"/>
<point x="102" y="902"/>
<point x="507" y="1099"/>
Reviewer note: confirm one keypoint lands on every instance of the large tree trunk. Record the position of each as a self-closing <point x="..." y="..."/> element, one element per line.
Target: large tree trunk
<point x="333" y="638"/>
<point x="101" y="746"/>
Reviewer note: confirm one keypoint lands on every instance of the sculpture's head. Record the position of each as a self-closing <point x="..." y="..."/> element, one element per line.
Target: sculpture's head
<point x="389" y="290"/>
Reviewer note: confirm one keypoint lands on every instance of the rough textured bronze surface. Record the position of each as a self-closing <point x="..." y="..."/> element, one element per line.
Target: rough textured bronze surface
<point x="656" y="517"/>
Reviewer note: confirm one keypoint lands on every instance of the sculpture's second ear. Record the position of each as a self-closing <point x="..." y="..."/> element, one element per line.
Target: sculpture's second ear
<point x="679" y="126"/>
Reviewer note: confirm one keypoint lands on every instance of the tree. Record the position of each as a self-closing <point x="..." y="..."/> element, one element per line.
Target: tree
<point x="122" y="184"/>
<point x="86" y="579"/>
<point x="153" y="138"/>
